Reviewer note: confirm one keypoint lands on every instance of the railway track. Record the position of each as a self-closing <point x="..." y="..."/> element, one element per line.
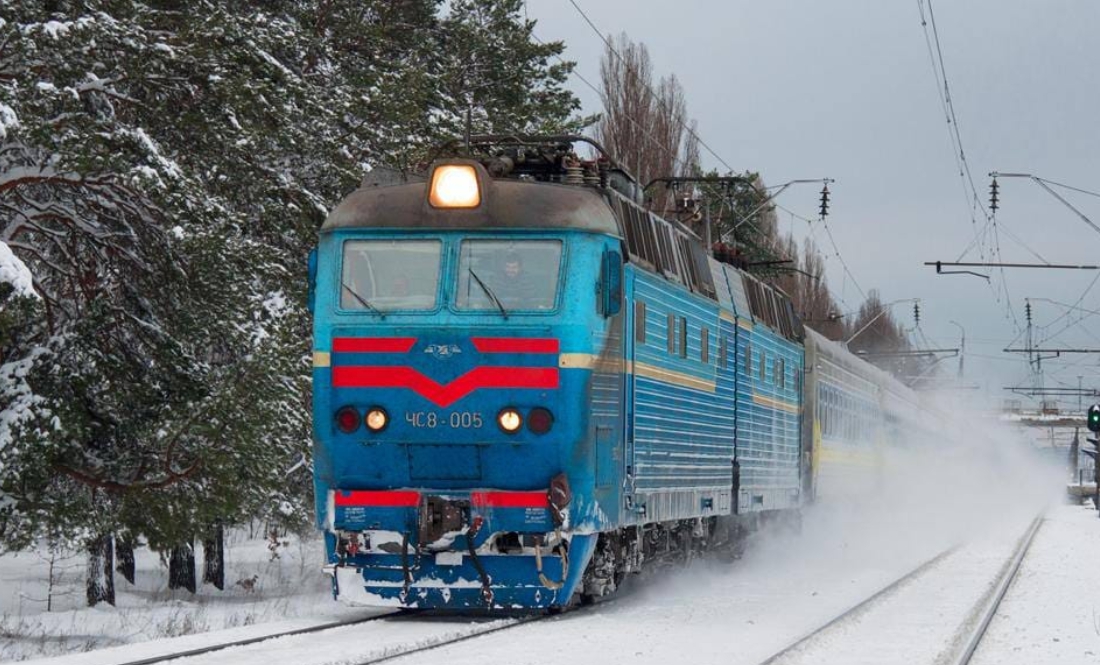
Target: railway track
<point x="199" y="651"/>
<point x="409" y="650"/>
<point x="858" y="608"/>
<point x="967" y="637"/>
<point x="420" y="644"/>
<point x="972" y="630"/>
<point x="993" y="601"/>
<point x="574" y="610"/>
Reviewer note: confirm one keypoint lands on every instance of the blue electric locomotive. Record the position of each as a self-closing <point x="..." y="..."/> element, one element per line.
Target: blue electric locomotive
<point x="526" y="386"/>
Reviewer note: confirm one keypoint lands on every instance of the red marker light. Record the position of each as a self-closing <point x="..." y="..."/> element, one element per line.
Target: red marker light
<point x="347" y="419"/>
<point x="540" y="420"/>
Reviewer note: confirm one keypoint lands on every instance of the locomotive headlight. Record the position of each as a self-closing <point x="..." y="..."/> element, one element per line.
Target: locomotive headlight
<point x="454" y="186"/>
<point x="509" y="420"/>
<point x="377" y="419"/>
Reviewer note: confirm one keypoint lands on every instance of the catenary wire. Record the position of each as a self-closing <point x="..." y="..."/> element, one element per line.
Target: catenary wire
<point x="675" y="158"/>
<point x="974" y="201"/>
<point x="652" y="92"/>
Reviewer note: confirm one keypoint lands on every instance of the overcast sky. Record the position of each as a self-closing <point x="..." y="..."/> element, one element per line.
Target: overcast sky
<point x="809" y="89"/>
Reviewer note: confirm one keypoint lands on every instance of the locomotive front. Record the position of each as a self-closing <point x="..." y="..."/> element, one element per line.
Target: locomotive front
<point x="457" y="324"/>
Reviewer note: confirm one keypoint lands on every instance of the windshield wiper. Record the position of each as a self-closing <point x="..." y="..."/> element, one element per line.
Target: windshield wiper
<point x="363" y="301"/>
<point x="488" y="292"/>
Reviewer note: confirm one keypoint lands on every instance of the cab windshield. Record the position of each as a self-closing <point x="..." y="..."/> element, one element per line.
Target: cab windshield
<point x="384" y="275"/>
<point x="511" y="275"/>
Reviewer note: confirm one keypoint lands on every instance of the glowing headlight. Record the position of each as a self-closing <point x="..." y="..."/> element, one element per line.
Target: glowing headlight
<point x="377" y="419"/>
<point x="454" y="186"/>
<point x="509" y="420"/>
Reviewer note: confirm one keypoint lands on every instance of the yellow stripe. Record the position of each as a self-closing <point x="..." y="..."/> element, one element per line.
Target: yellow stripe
<point x="593" y="362"/>
<point x="577" y="360"/>
<point x="834" y="455"/>
<point x="675" y="378"/>
<point x="745" y="323"/>
<point x="321" y="359"/>
<point x="775" y="403"/>
<point x="727" y="316"/>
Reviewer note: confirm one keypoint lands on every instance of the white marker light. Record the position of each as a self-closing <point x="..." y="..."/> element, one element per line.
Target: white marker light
<point x="376" y="420"/>
<point x="509" y="420"/>
<point x="454" y="186"/>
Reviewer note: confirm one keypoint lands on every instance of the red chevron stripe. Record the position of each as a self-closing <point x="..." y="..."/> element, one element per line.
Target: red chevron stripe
<point x="373" y="344"/>
<point x="515" y="345"/>
<point x="444" y="395"/>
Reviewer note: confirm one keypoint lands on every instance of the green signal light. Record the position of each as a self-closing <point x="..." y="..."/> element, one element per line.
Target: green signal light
<point x="1093" y="418"/>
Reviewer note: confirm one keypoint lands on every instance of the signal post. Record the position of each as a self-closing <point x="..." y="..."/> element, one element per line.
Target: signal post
<point x="1092" y="419"/>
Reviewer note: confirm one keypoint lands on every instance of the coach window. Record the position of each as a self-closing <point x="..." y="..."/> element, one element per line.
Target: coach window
<point x="386" y="275"/>
<point x="639" y="322"/>
<point x="748" y="360"/>
<point x="683" y="337"/>
<point x="508" y="274"/>
<point x="763" y="365"/>
<point x="671" y="334"/>
<point x="704" y="346"/>
<point x="723" y="351"/>
<point x="838" y="416"/>
<point x="781" y="373"/>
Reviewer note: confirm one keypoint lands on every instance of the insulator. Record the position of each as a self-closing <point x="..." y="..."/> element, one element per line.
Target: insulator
<point x="574" y="175"/>
<point x="591" y="174"/>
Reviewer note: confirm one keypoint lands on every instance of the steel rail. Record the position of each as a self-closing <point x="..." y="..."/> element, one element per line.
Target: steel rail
<point x="198" y="651"/>
<point x="1007" y="577"/>
<point x="402" y="652"/>
<point x="861" y="605"/>
<point x="519" y="621"/>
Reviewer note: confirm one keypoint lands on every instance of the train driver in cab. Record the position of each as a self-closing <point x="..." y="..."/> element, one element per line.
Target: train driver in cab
<point x="519" y="287"/>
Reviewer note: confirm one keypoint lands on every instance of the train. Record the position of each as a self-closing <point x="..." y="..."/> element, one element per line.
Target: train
<point x="527" y="387"/>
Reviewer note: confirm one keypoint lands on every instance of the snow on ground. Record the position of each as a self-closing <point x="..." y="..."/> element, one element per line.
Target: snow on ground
<point x="1051" y="613"/>
<point x="926" y="620"/>
<point x="260" y="589"/>
<point x="726" y="614"/>
<point x="339" y="646"/>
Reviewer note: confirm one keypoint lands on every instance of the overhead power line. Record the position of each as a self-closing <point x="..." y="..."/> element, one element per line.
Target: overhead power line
<point x="843" y="263"/>
<point x="949" y="106"/>
<point x="694" y="134"/>
<point x="1069" y="187"/>
<point x="1045" y="184"/>
<point x="974" y="201"/>
<point x="1066" y="314"/>
<point x="676" y="160"/>
<point x="652" y="92"/>
<point x="1050" y="266"/>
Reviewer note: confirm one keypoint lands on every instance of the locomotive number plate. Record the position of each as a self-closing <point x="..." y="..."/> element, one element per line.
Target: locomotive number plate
<point x="454" y="419"/>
